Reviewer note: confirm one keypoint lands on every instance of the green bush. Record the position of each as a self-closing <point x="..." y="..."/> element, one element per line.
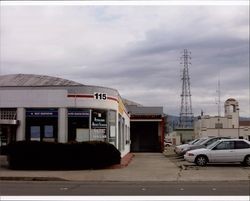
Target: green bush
<point x="61" y="156"/>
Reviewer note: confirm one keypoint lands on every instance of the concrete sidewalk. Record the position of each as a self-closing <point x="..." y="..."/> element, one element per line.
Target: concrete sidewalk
<point x="142" y="167"/>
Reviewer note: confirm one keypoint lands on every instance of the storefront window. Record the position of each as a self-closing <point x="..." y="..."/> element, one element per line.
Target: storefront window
<point x="35" y="133"/>
<point x="78" y="124"/>
<point x="41" y="124"/>
<point x="112" y="126"/>
<point x="48" y="131"/>
<point x="112" y="133"/>
<point x="82" y="134"/>
<point x="112" y="116"/>
<point x="89" y="125"/>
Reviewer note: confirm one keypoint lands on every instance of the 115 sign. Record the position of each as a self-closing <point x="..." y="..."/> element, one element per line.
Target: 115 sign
<point x="100" y="96"/>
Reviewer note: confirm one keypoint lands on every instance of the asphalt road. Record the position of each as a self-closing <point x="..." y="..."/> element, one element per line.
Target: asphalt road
<point x="50" y="188"/>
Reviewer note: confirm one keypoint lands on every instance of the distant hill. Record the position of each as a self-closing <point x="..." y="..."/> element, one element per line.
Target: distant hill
<point x="173" y="120"/>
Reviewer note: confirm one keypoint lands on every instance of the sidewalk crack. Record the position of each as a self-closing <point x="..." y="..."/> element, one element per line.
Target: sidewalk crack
<point x="181" y="168"/>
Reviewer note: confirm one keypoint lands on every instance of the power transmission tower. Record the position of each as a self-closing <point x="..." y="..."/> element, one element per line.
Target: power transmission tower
<point x="186" y="114"/>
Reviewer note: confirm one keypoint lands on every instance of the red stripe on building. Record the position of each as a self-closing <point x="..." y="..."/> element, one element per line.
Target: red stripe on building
<point x="89" y="96"/>
<point x="112" y="98"/>
<point x="80" y="96"/>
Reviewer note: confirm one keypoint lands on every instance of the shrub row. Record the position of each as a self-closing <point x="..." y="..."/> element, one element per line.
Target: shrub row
<point x="61" y="156"/>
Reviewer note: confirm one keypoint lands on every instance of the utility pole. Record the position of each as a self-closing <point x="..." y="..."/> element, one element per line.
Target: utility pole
<point x="186" y="114"/>
<point x="219" y="125"/>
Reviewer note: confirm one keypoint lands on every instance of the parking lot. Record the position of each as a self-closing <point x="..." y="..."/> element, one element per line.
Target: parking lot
<point x="210" y="172"/>
<point x="179" y="162"/>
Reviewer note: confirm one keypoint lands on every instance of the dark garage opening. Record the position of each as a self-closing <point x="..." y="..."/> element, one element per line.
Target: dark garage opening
<point x="144" y="137"/>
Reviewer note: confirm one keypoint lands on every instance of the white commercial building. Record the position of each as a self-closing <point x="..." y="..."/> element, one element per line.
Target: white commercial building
<point x="44" y="108"/>
<point x="229" y="125"/>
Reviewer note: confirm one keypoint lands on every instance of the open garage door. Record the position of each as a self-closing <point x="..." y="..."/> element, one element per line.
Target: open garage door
<point x="144" y="137"/>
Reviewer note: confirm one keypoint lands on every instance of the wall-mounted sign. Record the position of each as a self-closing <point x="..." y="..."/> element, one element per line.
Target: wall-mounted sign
<point x="78" y="112"/>
<point x="99" y="119"/>
<point x="100" y="96"/>
<point x="98" y="134"/>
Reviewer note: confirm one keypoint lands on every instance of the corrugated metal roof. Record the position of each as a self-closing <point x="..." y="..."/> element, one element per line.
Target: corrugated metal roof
<point x="16" y="80"/>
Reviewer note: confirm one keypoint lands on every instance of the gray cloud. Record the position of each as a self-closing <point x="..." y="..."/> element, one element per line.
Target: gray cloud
<point x="134" y="49"/>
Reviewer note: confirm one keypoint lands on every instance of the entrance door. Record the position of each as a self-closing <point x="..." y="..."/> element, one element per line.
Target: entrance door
<point x="7" y="135"/>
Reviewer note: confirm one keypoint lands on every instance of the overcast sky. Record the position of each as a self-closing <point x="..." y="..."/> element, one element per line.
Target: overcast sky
<point x="134" y="49"/>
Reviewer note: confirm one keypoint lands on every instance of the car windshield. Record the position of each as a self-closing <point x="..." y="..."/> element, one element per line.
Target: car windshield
<point x="200" y="141"/>
<point x="208" y="141"/>
<point x="194" y="141"/>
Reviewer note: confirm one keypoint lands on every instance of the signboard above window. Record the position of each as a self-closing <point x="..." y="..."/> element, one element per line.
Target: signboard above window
<point x="78" y="112"/>
<point x="41" y="112"/>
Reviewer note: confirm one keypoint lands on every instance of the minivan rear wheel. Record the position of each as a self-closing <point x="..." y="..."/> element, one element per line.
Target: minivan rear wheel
<point x="201" y="160"/>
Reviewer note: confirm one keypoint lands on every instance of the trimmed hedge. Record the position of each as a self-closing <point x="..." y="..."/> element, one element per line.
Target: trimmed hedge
<point x="3" y="150"/>
<point x="27" y="155"/>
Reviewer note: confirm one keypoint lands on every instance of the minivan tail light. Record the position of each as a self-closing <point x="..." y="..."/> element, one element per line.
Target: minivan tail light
<point x="190" y="154"/>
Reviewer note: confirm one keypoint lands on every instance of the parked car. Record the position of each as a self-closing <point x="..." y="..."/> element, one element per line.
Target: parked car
<point x="221" y="151"/>
<point x="203" y="143"/>
<point x="178" y="149"/>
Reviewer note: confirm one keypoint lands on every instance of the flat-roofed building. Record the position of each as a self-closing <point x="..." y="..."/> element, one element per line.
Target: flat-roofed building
<point x="45" y="108"/>
<point x="228" y="125"/>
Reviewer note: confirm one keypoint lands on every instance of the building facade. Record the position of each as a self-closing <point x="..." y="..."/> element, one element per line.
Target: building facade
<point x="44" y="108"/>
<point x="228" y="125"/>
<point x="147" y="128"/>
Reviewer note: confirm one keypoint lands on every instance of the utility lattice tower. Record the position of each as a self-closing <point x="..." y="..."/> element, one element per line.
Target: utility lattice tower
<point x="186" y="114"/>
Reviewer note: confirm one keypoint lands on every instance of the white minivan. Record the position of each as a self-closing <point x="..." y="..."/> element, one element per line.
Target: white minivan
<point x="221" y="151"/>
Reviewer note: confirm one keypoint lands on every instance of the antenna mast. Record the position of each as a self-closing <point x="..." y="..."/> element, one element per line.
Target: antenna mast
<point x="219" y="102"/>
<point x="186" y="114"/>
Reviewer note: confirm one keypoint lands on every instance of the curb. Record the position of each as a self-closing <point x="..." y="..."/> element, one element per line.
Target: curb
<point x="124" y="161"/>
<point x="31" y="179"/>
